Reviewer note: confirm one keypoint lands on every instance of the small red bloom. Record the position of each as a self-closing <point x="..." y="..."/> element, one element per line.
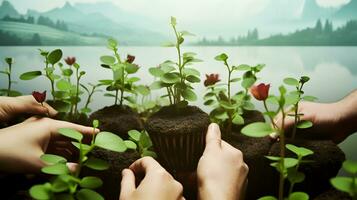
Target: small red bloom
<point x="40" y="97"/>
<point x="130" y="59"/>
<point x="260" y="92"/>
<point x="211" y="79"/>
<point x="70" y="60"/>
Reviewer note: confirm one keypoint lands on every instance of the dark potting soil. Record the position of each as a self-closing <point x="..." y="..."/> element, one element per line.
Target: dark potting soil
<point x="333" y="194"/>
<point x="118" y="120"/>
<point x="111" y="177"/>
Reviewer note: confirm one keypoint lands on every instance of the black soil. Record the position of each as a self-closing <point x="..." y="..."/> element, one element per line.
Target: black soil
<point x="111" y="177"/>
<point x="333" y="194"/>
<point x="118" y="120"/>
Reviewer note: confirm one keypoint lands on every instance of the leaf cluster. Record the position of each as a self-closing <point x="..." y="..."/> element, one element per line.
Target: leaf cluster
<point x="347" y="184"/>
<point x="141" y="142"/>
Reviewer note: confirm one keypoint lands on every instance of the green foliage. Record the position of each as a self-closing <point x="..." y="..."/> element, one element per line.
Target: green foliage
<point x="121" y="70"/>
<point x="7" y="71"/>
<point x="257" y="129"/>
<point x="143" y="143"/>
<point x="227" y="108"/>
<point x="66" y="184"/>
<point x="347" y="184"/>
<point x="176" y="77"/>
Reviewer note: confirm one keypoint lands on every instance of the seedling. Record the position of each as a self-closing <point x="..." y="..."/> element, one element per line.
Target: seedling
<point x="176" y="77"/>
<point x="90" y="93"/>
<point x="68" y="184"/>
<point x="9" y="92"/>
<point x="142" y="143"/>
<point x="51" y="59"/>
<point x="347" y="184"/>
<point x="228" y="108"/>
<point x="121" y="70"/>
<point x="262" y="129"/>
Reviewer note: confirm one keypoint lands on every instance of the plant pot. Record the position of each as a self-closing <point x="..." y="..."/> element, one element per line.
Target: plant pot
<point x="118" y="120"/>
<point x="178" y="136"/>
<point x="333" y="194"/>
<point x="111" y="177"/>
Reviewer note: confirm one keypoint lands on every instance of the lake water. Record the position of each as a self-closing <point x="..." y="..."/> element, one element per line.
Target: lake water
<point x="333" y="70"/>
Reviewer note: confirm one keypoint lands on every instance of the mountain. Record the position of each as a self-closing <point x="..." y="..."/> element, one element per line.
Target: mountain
<point x="312" y="11"/>
<point x="6" y="9"/>
<point x="349" y="11"/>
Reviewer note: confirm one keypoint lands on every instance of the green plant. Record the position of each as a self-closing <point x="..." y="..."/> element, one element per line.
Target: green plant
<point x="9" y="92"/>
<point x="261" y="129"/>
<point x="176" y="77"/>
<point x="66" y="184"/>
<point x="228" y="108"/>
<point x="347" y="184"/>
<point x="142" y="143"/>
<point x="51" y="59"/>
<point x="121" y="70"/>
<point x="90" y="93"/>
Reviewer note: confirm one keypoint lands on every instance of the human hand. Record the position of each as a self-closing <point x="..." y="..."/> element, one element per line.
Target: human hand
<point x="327" y="119"/>
<point x="221" y="171"/>
<point x="22" y="145"/>
<point x="157" y="183"/>
<point x="12" y="106"/>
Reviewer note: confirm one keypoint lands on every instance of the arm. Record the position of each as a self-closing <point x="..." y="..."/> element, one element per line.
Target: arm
<point x="221" y="171"/>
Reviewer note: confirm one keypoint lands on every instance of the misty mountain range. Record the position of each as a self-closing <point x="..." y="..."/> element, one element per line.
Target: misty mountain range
<point x="107" y="19"/>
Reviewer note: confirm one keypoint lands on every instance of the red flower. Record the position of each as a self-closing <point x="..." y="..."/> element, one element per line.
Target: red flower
<point x="130" y="59"/>
<point x="211" y="79"/>
<point x="40" y="97"/>
<point x="260" y="92"/>
<point x="70" y="60"/>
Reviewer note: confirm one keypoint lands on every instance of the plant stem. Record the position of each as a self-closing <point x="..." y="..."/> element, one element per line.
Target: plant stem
<point x="169" y="95"/>
<point x="121" y="96"/>
<point x="9" y="78"/>
<point x="270" y="117"/>
<point x="77" y="93"/>
<point x="116" y="97"/>
<point x="293" y="183"/>
<point x="182" y="80"/>
<point x="282" y="157"/>
<point x="90" y="94"/>
<point x="296" y="109"/>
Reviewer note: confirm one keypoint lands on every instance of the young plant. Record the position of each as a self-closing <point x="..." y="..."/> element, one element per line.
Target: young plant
<point x="8" y="91"/>
<point x="142" y="143"/>
<point x="40" y="98"/>
<point x="90" y="93"/>
<point x="51" y="59"/>
<point x="228" y="108"/>
<point x="176" y="77"/>
<point x="67" y="184"/>
<point x="121" y="70"/>
<point x="262" y="129"/>
<point x="347" y="184"/>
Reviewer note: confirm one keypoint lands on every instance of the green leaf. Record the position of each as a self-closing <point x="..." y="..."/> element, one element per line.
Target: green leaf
<point x="243" y="67"/>
<point x="131" y="68"/>
<point x="56" y="169"/>
<point x="248" y="82"/>
<point x="54" y="56"/>
<point x="221" y="57"/>
<point x="171" y="78"/>
<point x="96" y="164"/>
<point x="295" y="177"/>
<point x="344" y="184"/>
<point x="130" y="144"/>
<point x="304" y="79"/>
<point x="40" y="192"/>
<point x="300" y="151"/>
<point x="167" y="44"/>
<point x="268" y="198"/>
<point x="238" y="119"/>
<point x="87" y="194"/>
<point x="290" y="162"/>
<point x="209" y="102"/>
<point x="85" y="147"/>
<point x="155" y="71"/>
<point x="30" y="75"/>
<point x="145" y="140"/>
<point x="71" y="133"/>
<point x="309" y="98"/>
<point x="291" y="99"/>
<point x="149" y="153"/>
<point x="173" y="21"/>
<point x="110" y="141"/>
<point x="63" y="85"/>
<point x="112" y="43"/>
<point x="135" y="135"/>
<point x="304" y="124"/>
<point x="191" y="71"/>
<point x="67" y="72"/>
<point x="95" y="123"/>
<point x="109" y="60"/>
<point x="91" y="182"/>
<point x="257" y="129"/>
<point x="298" y="196"/>
<point x="58" y="185"/>
<point x="189" y="95"/>
<point x="291" y="81"/>
<point x="52" y="159"/>
<point x="235" y="80"/>
<point x="350" y="166"/>
<point x="143" y="90"/>
<point x="193" y="79"/>
<point x="186" y="33"/>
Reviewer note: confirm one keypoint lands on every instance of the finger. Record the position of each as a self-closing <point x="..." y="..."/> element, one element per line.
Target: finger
<point x="145" y="165"/>
<point x="57" y="124"/>
<point x="50" y="110"/>
<point x="31" y="119"/>
<point x="73" y="167"/>
<point x="213" y="137"/>
<point x="127" y="184"/>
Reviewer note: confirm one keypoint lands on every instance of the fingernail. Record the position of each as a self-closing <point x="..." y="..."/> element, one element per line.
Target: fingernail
<point x="213" y="127"/>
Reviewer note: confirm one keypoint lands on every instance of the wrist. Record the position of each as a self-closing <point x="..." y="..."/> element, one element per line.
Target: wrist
<point x="347" y="115"/>
<point x="212" y="190"/>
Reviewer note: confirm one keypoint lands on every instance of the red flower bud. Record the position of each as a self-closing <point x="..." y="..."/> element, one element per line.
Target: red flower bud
<point x="70" y="60"/>
<point x="40" y="97"/>
<point x="260" y="92"/>
<point x="130" y="59"/>
<point x="211" y="79"/>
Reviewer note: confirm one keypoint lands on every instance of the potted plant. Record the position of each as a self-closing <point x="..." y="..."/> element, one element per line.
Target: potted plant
<point x="178" y="130"/>
<point x="325" y="157"/>
<point x="119" y="118"/>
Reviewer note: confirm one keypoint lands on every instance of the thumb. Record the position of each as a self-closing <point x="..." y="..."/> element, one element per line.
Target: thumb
<point x="213" y="137"/>
<point x="73" y="167"/>
<point x="127" y="184"/>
